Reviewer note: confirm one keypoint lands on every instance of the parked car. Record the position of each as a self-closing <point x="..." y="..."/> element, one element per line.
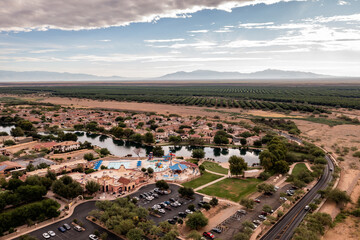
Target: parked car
<point x="62" y="229"/>
<point x="172" y="200"/>
<point x="283" y="198"/>
<point x="188" y="211"/>
<point x="307" y="207"/>
<point x="51" y="233"/>
<point x="182" y="214"/>
<point x="78" y="228"/>
<point x="256" y="222"/>
<point x="217" y="230"/>
<point x="264" y="213"/>
<point x="46" y="235"/>
<point x="175" y="218"/>
<point x="171" y="221"/>
<point x="257" y="200"/>
<point x="136" y="198"/>
<point x="168" y="208"/>
<point x="155" y="195"/>
<point x="93" y="237"/>
<point x="209" y="235"/>
<point x="242" y="211"/>
<point x="66" y="226"/>
<point x="161" y="211"/>
<point x="262" y="217"/>
<point x="167" y="202"/>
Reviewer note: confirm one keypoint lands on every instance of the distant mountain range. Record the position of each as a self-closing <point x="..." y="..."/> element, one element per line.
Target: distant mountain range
<point x="194" y="75"/>
<point x="52" y="76"/>
<point x="266" y="74"/>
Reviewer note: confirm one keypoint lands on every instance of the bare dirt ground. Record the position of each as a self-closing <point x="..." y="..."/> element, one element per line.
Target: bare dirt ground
<point x="333" y="138"/>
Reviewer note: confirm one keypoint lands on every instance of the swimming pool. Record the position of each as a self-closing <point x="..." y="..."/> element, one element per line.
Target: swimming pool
<point x="116" y="165"/>
<point x="153" y="166"/>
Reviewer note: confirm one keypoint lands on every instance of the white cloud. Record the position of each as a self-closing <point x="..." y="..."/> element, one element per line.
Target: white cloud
<point x="199" y="31"/>
<point x="42" y="15"/>
<point x="105" y="40"/>
<point x="341" y="3"/>
<point x="164" y="40"/>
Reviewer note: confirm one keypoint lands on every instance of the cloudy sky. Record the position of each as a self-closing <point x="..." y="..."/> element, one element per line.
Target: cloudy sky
<point x="149" y="38"/>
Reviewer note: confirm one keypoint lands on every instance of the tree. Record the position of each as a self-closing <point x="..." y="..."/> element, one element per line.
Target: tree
<point x="266" y="188"/>
<point x="92" y="187"/>
<point x="243" y="141"/>
<point x="237" y="165"/>
<point x="104" y="152"/>
<point x="162" y="184"/>
<point x="175" y="139"/>
<point x="91" y="126"/>
<point x="51" y="175"/>
<point x="186" y="192"/>
<point x="248" y="203"/>
<point x="17" y="132"/>
<point x="135" y="234"/>
<point x="158" y="151"/>
<point x="149" y="138"/>
<point x="338" y="196"/>
<point x="70" y="137"/>
<point x="150" y="171"/>
<point x="198" y="153"/>
<point x="66" y="187"/>
<point x="104" y="236"/>
<point x="196" y="220"/>
<point x="9" y="143"/>
<point x="194" y="235"/>
<point x="89" y="156"/>
<point x="267" y="208"/>
<point x="214" y="201"/>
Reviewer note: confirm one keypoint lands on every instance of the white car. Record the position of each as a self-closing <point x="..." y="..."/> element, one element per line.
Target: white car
<point x="283" y="198"/>
<point x="93" y="237"/>
<point x="161" y="211"/>
<point x="46" y="235"/>
<point x="52" y="233"/>
<point x="188" y="211"/>
<point x="262" y="217"/>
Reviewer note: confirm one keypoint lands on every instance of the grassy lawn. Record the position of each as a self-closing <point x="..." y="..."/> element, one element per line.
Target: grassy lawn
<point x="232" y="188"/>
<point x="205" y="178"/>
<point x="300" y="167"/>
<point x="215" y="167"/>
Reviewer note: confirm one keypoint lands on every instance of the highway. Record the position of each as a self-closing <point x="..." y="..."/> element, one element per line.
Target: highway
<point x="284" y="229"/>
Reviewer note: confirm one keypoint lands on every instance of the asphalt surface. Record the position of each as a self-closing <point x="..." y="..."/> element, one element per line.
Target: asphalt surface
<point x="174" y="194"/>
<point x="81" y="211"/>
<point x="233" y="224"/>
<point x="284" y="229"/>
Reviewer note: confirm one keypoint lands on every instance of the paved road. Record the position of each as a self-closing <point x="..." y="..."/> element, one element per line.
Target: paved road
<point x="284" y="229"/>
<point x="81" y="211"/>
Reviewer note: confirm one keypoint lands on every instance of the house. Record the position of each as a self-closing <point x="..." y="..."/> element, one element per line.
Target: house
<point x="66" y="146"/>
<point x="44" y="145"/>
<point x="7" y="166"/>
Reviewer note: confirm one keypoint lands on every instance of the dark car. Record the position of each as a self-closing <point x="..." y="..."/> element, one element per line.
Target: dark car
<point x="208" y="235"/>
<point x="172" y="200"/>
<point x="67" y="226"/>
<point x="217" y="230"/>
<point x="175" y="218"/>
<point x="182" y="214"/>
<point x="168" y="208"/>
<point x="171" y="221"/>
<point x="62" y="229"/>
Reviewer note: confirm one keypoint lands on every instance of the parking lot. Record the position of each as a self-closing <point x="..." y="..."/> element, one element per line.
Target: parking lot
<point x="82" y="211"/>
<point x="233" y="224"/>
<point x="171" y="212"/>
<point x="80" y="214"/>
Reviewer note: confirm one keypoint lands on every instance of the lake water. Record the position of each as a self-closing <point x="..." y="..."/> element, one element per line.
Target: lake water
<point x="122" y="148"/>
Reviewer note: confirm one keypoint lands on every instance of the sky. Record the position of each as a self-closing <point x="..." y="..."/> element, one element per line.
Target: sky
<point x="150" y="38"/>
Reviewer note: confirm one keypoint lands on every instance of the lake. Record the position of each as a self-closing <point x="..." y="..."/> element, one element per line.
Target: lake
<point x="122" y="148"/>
